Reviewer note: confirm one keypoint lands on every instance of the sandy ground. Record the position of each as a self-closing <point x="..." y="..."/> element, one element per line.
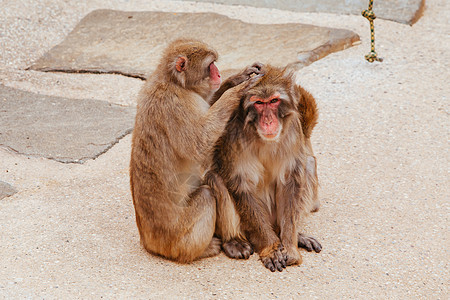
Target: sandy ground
<point x="382" y="145"/>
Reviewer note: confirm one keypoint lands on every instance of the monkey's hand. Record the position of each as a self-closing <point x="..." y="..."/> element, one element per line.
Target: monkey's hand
<point x="246" y="74"/>
<point x="274" y="257"/>
<point x="236" y="80"/>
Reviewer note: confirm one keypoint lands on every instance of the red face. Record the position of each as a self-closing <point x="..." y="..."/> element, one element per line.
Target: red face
<point x="214" y="77"/>
<point x="269" y="127"/>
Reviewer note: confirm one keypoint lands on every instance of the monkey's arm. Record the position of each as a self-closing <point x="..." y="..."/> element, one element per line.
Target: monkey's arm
<point x="209" y="127"/>
<point x="235" y="80"/>
<point x="197" y="132"/>
<point x="214" y="122"/>
<point x="226" y="85"/>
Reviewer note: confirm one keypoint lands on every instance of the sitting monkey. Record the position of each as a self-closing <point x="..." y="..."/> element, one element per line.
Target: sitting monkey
<point x="264" y="172"/>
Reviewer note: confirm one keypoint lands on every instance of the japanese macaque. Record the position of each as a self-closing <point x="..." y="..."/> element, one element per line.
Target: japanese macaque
<point x="264" y="172"/>
<point x="173" y="138"/>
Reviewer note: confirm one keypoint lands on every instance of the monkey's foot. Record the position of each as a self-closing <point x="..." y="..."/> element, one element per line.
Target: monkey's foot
<point x="237" y="248"/>
<point x="309" y="243"/>
<point x="213" y="248"/>
<point x="274" y="257"/>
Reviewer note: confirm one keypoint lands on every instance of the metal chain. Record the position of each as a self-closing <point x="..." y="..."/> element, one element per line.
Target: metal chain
<point x="370" y="15"/>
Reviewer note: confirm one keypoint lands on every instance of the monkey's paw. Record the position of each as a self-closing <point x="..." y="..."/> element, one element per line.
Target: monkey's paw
<point x="274" y="257"/>
<point x="309" y="243"/>
<point x="237" y="248"/>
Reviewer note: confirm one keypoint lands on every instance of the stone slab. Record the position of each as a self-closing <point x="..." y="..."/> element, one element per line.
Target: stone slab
<point x="6" y="190"/>
<point x="402" y="11"/>
<point x="65" y="130"/>
<point x="130" y="43"/>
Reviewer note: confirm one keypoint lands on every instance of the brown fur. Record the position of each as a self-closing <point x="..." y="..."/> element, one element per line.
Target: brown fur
<point x="268" y="181"/>
<point x="309" y="116"/>
<point x="308" y="111"/>
<point x="174" y="134"/>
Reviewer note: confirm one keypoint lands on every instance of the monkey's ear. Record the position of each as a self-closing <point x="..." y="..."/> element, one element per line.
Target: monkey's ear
<point x="180" y="64"/>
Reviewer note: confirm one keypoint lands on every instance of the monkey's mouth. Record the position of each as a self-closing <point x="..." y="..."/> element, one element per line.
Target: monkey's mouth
<point x="269" y="129"/>
<point x="270" y="136"/>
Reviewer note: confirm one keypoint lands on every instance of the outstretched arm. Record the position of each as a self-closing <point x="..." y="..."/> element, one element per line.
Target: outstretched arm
<point x="235" y="80"/>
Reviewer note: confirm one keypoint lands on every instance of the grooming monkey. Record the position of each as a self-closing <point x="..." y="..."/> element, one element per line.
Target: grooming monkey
<point x="174" y="134"/>
<point x="264" y="173"/>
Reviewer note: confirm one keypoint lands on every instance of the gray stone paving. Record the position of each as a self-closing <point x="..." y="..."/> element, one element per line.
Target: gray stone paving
<point x="130" y="43"/>
<point x="6" y="190"/>
<point x="66" y="130"/>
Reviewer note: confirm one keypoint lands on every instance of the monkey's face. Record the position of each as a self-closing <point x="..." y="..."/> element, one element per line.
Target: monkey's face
<point x="193" y="65"/>
<point x="268" y="114"/>
<point x="270" y="104"/>
<point x="199" y="75"/>
<point x="267" y="122"/>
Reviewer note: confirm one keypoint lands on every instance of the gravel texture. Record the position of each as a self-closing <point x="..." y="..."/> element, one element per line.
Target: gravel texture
<point x="382" y="144"/>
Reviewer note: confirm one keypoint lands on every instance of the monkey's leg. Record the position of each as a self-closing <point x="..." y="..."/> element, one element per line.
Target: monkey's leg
<point x="293" y="201"/>
<point x="310" y="195"/>
<point x="180" y="233"/>
<point x="200" y="216"/>
<point x="234" y="243"/>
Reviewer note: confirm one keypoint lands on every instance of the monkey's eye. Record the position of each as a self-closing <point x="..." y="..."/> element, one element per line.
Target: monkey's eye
<point x="258" y="102"/>
<point x="274" y="100"/>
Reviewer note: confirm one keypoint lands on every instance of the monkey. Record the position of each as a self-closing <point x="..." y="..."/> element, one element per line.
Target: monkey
<point x="307" y="108"/>
<point x="261" y="172"/>
<point x="172" y="142"/>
